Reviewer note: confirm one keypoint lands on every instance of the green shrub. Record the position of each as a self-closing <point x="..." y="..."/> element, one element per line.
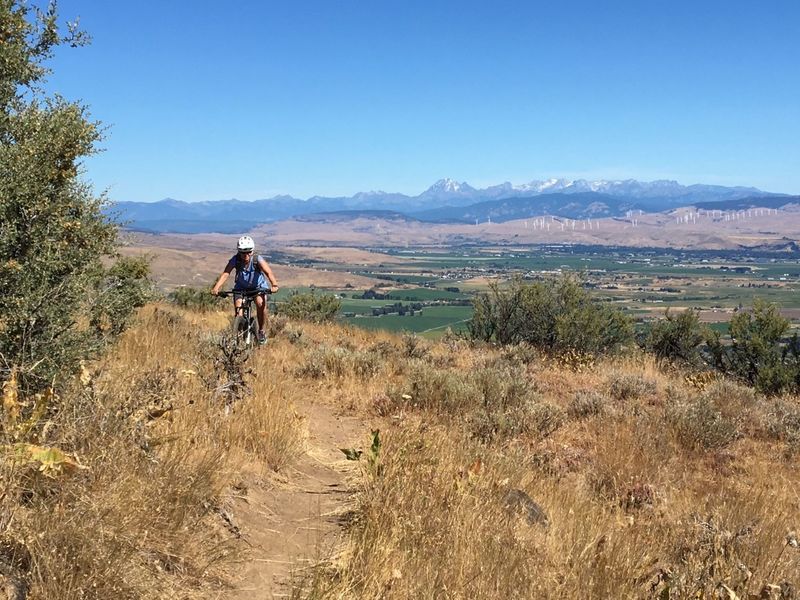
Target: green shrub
<point x="276" y="324"/>
<point x="539" y="419"/>
<point x="366" y="364"/>
<point x="758" y="354"/>
<point x="125" y="287"/>
<point x="197" y="299"/>
<point x="383" y="349"/>
<point x="523" y="354"/>
<point x="728" y="393"/>
<point x="414" y="346"/>
<point x="783" y="421"/>
<point x="543" y="418"/>
<point x="296" y="335"/>
<point x="677" y="338"/>
<point x="440" y="390"/>
<point x="324" y="362"/>
<point x="554" y="316"/>
<point x="54" y="232"/>
<point x="317" y="308"/>
<point x="502" y="387"/>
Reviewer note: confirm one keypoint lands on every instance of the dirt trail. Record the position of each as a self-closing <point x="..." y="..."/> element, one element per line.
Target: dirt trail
<point x="294" y="520"/>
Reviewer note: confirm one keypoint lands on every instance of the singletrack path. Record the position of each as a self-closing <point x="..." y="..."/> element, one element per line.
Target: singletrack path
<point x="293" y="520"/>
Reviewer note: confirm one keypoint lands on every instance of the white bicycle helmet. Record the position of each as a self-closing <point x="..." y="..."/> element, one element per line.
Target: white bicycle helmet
<point x="245" y="244"/>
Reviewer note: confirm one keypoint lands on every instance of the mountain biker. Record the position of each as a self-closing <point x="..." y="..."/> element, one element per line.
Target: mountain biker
<point x="252" y="273"/>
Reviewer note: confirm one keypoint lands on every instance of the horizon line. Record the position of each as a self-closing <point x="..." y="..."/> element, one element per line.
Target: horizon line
<point x="464" y="182"/>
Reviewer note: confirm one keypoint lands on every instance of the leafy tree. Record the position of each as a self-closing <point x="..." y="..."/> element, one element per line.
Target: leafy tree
<point x="677" y="338"/>
<point x="53" y="233"/>
<point x="125" y="286"/>
<point x="555" y="315"/>
<point x="758" y="353"/>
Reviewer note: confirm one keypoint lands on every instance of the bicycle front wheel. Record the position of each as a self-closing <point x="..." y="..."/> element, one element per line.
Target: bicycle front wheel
<point x="253" y="328"/>
<point x="241" y="329"/>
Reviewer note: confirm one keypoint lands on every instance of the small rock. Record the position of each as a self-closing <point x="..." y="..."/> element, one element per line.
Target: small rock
<point x="518" y="502"/>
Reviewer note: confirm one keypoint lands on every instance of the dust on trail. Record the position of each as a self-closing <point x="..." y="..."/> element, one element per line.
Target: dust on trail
<point x="294" y="520"/>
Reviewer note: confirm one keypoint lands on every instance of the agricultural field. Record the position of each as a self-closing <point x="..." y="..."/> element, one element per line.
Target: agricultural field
<point x="643" y="282"/>
<point x="432" y="321"/>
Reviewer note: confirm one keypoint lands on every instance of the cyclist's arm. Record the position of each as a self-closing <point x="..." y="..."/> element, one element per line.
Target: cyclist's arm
<point x="222" y="277"/>
<point x="268" y="272"/>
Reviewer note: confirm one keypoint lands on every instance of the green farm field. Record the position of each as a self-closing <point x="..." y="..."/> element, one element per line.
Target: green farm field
<point x="433" y="322"/>
<point x="644" y="283"/>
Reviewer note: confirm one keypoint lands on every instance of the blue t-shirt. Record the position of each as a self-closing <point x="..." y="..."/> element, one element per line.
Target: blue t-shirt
<point x="249" y="277"/>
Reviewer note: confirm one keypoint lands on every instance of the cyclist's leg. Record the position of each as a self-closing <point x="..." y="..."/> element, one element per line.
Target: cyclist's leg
<point x="237" y="303"/>
<point x="261" y="310"/>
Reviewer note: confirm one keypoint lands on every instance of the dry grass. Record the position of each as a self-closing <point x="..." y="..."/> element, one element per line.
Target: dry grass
<point x="653" y="487"/>
<point x="143" y="520"/>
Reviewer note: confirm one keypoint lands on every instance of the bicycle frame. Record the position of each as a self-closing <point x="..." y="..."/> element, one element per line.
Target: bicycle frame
<point x="244" y="324"/>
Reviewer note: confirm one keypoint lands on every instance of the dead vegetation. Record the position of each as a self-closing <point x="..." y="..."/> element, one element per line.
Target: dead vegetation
<point x="496" y="473"/>
<point x="120" y="490"/>
<point x="506" y="474"/>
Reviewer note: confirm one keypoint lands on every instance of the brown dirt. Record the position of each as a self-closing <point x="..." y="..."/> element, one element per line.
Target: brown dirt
<point x="346" y="256"/>
<point x="294" y="520"/>
<point x="173" y="267"/>
<point x="652" y="230"/>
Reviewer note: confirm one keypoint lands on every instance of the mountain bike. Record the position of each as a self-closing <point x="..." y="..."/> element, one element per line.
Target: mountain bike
<point x="245" y="325"/>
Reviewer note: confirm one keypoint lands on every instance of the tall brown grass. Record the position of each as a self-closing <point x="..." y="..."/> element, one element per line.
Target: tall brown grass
<point x="142" y="519"/>
<point x="653" y="485"/>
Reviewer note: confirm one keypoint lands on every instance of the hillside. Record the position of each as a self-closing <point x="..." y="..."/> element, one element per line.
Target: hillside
<point x="563" y="388"/>
<point x="751" y="202"/>
<point x="497" y="471"/>
<point x="665" y="230"/>
<point x="494" y="471"/>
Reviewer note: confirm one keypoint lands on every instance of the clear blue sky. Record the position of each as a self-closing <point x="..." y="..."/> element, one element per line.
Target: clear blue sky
<point x="208" y="100"/>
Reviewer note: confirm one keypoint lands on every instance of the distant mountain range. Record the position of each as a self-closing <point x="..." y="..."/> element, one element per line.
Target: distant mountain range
<point x="573" y="206"/>
<point x="445" y="201"/>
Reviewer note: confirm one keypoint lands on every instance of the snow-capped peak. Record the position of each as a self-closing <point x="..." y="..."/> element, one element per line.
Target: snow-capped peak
<point x="549" y="185"/>
<point x="554" y="183"/>
<point x="449" y="185"/>
<point x="455" y="193"/>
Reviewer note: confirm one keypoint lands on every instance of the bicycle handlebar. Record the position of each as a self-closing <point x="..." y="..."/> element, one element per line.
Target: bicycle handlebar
<point x="245" y="293"/>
